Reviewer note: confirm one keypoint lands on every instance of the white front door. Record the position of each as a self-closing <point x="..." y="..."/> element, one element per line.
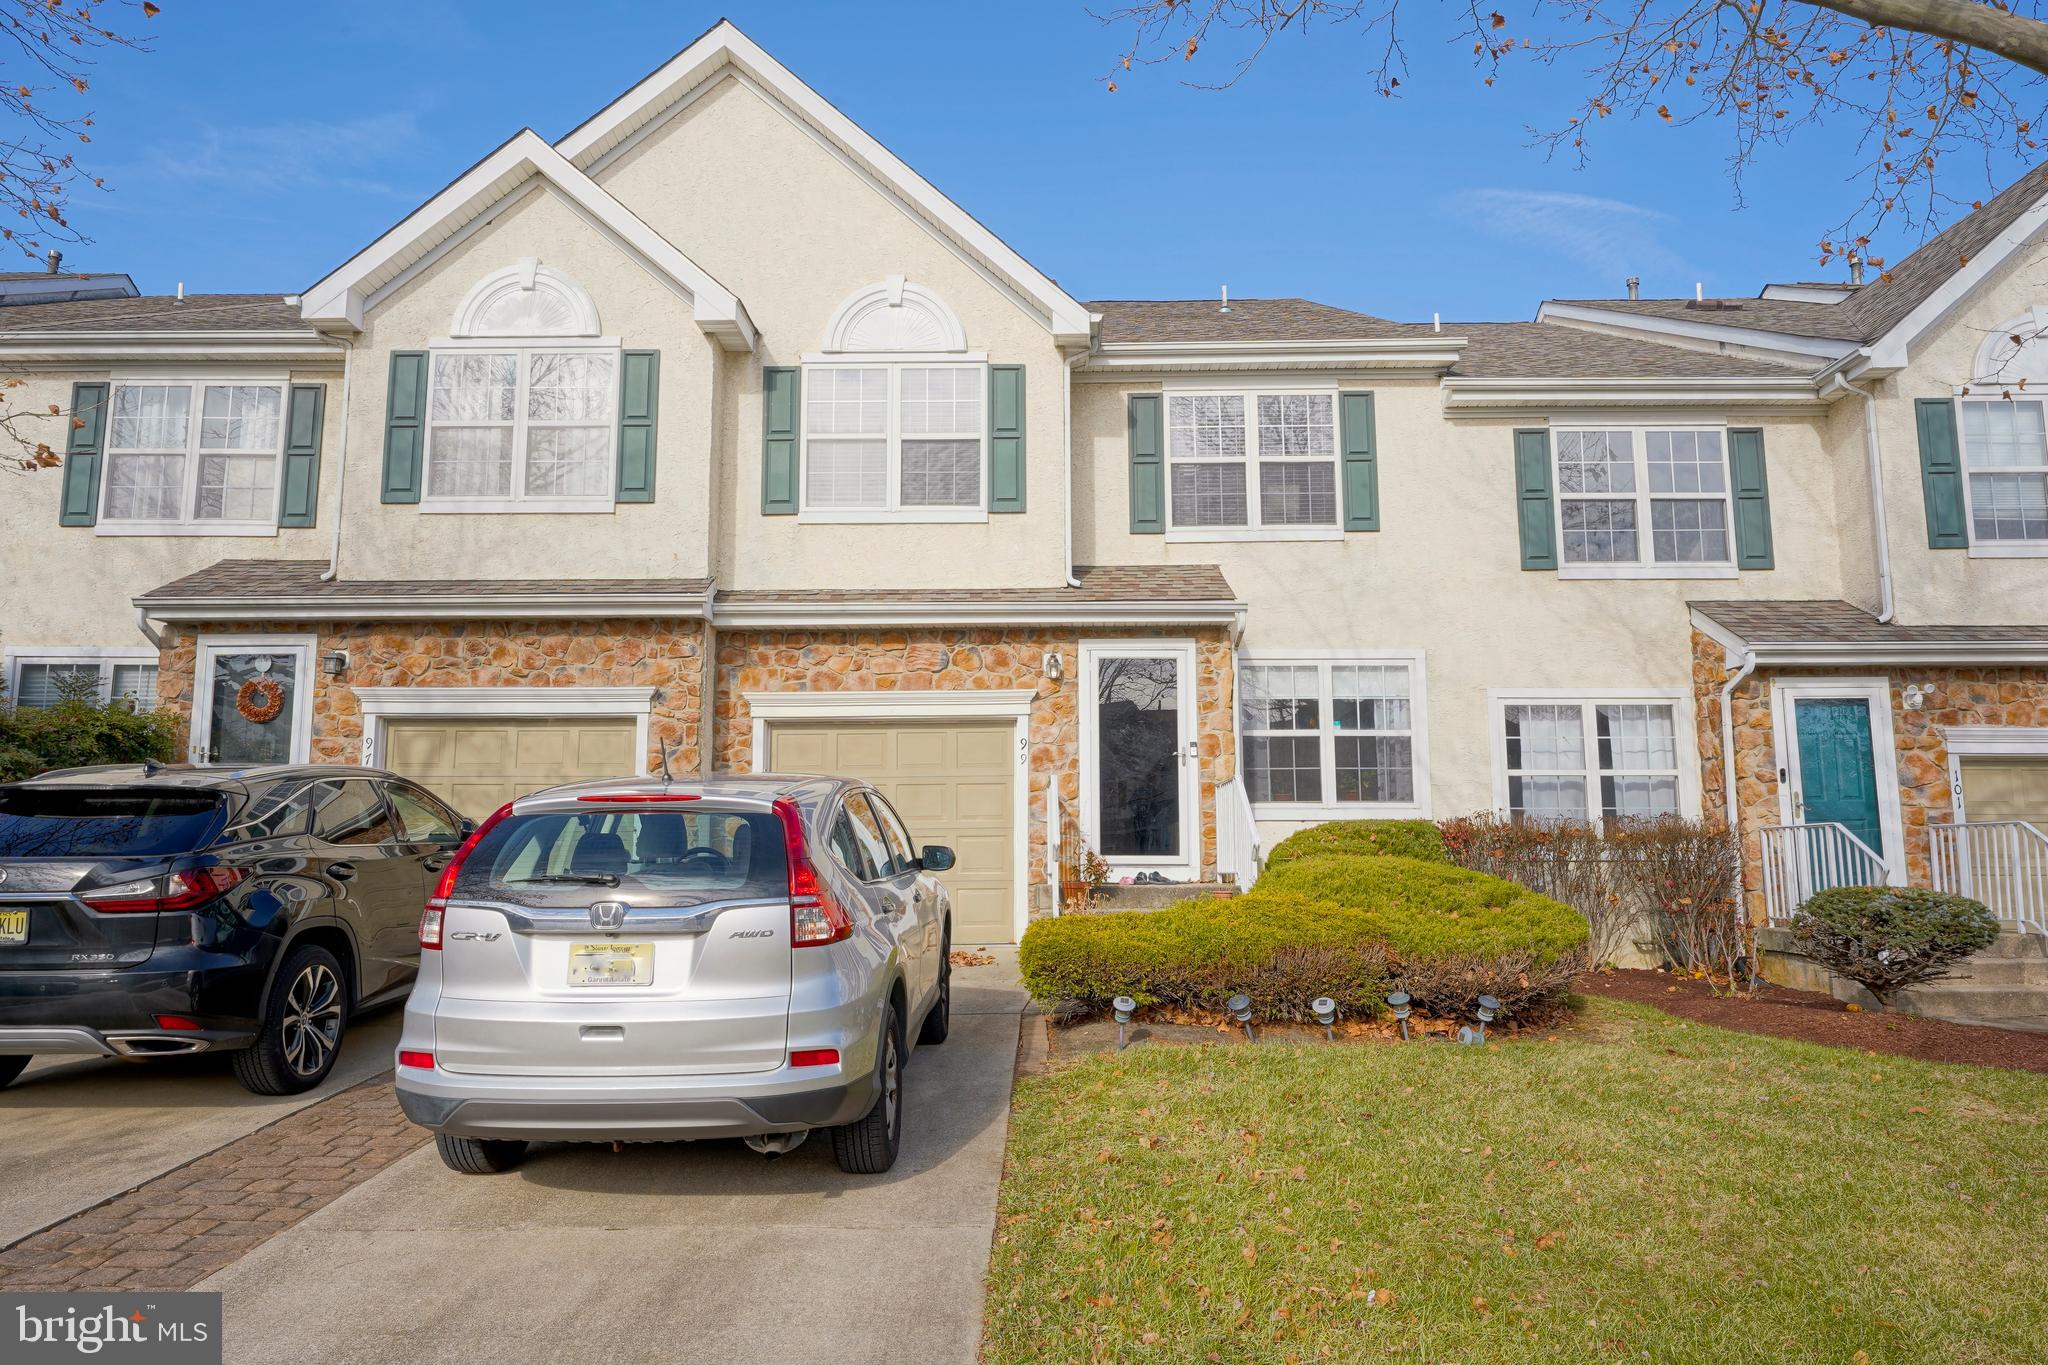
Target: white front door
<point x="1140" y="764"/>
<point x="253" y="702"/>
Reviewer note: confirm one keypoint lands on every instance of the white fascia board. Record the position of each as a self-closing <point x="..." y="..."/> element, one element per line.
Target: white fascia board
<point x="1893" y="350"/>
<point x="412" y="607"/>
<point x="1122" y="359"/>
<point x="1748" y="392"/>
<point x="103" y="350"/>
<point x="781" y="615"/>
<point x="725" y="46"/>
<point x="341" y="297"/>
<point x="1615" y="319"/>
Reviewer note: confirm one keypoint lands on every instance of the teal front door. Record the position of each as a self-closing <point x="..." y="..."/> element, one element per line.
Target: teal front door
<point x="1837" y="767"/>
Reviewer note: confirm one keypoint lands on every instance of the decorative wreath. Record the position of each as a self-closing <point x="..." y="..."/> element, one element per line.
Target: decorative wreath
<point x="259" y="700"/>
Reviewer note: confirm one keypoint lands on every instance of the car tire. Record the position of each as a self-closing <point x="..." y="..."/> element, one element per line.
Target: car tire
<point x="303" y="1022"/>
<point x="479" y="1156"/>
<point x="938" y="1020"/>
<point x="868" y="1145"/>
<point x="10" y="1067"/>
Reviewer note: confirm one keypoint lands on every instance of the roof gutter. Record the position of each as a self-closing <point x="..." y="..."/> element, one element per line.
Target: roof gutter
<point x="348" y="371"/>
<point x="1873" y="450"/>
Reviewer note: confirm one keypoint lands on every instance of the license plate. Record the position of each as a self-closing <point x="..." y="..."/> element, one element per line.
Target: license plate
<point x="611" y="964"/>
<point x="13" y="926"/>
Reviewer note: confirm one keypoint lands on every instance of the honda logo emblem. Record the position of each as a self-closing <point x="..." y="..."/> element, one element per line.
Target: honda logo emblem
<point x="608" y="915"/>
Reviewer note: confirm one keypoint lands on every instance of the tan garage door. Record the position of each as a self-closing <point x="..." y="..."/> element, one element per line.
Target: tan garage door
<point x="953" y="784"/>
<point x="2004" y="788"/>
<point x="479" y="765"/>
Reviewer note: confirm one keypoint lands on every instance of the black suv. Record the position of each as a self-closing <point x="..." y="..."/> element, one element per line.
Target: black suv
<point x="147" y="911"/>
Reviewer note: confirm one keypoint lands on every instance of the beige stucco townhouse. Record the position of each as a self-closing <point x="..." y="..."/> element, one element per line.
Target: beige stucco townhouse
<point x="712" y="429"/>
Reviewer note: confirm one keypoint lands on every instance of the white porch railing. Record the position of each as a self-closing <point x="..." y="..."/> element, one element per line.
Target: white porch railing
<point x="1800" y="860"/>
<point x="1237" y="834"/>
<point x="2003" y="863"/>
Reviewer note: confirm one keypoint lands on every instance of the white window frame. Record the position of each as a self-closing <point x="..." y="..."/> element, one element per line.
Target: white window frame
<point x="1683" y="730"/>
<point x="187" y="523"/>
<point x="1254" y="527"/>
<point x="105" y="657"/>
<point x="518" y="500"/>
<point x="894" y="510"/>
<point x="1324" y="661"/>
<point x="211" y="646"/>
<point x="1646" y="564"/>
<point x="1993" y="549"/>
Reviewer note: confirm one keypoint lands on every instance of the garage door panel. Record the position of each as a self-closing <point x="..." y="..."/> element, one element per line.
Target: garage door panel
<point x="607" y="752"/>
<point x="985" y="748"/>
<point x="479" y="765"/>
<point x="801" y="751"/>
<point x="984" y="801"/>
<point x="925" y="749"/>
<point x="2007" y="788"/>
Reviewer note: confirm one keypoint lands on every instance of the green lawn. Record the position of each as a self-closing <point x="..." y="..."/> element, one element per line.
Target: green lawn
<point x="1641" y="1188"/>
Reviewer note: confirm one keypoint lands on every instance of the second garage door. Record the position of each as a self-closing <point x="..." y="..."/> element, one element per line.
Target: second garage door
<point x="479" y="765"/>
<point x="951" y="782"/>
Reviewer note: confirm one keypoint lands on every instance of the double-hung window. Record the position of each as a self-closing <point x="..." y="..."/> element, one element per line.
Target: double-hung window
<point x="1588" y="760"/>
<point x="2005" y="454"/>
<point x="522" y="428"/>
<point x="1337" y="732"/>
<point x="116" y="675"/>
<point x="1250" y="461"/>
<point x="1643" y="501"/>
<point x="897" y="440"/>
<point x="192" y="457"/>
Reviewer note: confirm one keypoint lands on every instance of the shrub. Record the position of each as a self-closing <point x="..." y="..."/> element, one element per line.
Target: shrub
<point x="1889" y="937"/>
<point x="1688" y="874"/>
<point x="79" y="732"/>
<point x="1560" y="859"/>
<point x="1417" y="839"/>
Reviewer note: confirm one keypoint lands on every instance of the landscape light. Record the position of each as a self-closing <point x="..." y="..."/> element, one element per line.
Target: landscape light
<point x="1398" y="1003"/>
<point x="1489" y="1010"/>
<point x="1240" y="1007"/>
<point x="1326" y="1014"/>
<point x="1469" y="1035"/>
<point x="1124" y="1006"/>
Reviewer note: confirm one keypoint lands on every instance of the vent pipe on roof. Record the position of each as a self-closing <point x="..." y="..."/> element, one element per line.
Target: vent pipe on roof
<point x="1436" y="322"/>
<point x="1225" y="307"/>
<point x="181" y="291"/>
<point x="52" y="261"/>
<point x="1699" y="292"/>
<point x="1635" y="286"/>
<point x="1855" y="270"/>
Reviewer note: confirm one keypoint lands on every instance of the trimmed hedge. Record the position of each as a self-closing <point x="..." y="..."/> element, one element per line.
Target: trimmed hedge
<point x="1418" y="839"/>
<point x="1890" y="937"/>
<point x="1348" y="927"/>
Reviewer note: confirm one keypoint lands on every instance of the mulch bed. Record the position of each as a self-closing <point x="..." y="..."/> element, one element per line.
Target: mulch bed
<point x="1812" y="1017"/>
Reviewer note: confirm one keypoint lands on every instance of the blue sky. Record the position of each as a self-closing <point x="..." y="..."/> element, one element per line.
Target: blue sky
<point x="259" y="145"/>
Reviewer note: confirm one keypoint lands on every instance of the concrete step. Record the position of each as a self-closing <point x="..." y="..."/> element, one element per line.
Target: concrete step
<point x="1968" y="1002"/>
<point x="2027" y="947"/>
<point x="2003" y="971"/>
<point x="1117" y="896"/>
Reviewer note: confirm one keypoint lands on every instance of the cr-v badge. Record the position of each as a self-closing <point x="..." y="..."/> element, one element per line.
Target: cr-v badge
<point x="608" y="915"/>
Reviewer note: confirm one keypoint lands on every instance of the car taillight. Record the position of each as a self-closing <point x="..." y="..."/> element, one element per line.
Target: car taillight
<point x="637" y="798"/>
<point x="173" y="891"/>
<point x="815" y="919"/>
<point x="423" y="1060"/>
<point x="437" y="904"/>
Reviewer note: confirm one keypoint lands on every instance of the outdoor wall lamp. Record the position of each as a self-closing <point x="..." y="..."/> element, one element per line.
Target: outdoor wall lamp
<point x="1124" y="1007"/>
<point x="334" y="663"/>
<point x="1240" y="1007"/>
<point x="1398" y="1003"/>
<point x="1325" y="1010"/>
<point x="1915" y="696"/>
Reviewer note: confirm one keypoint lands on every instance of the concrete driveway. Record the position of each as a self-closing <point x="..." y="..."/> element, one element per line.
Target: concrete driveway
<point x="680" y="1251"/>
<point x="79" y="1130"/>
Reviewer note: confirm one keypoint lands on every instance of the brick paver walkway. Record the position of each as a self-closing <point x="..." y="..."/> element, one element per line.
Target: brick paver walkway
<point x="175" y="1230"/>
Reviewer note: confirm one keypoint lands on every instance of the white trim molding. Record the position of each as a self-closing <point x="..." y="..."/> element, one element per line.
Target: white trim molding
<point x="894" y="316"/>
<point x="102" y="656"/>
<point x="1793" y="393"/>
<point x="911" y="612"/>
<point x="1786" y="692"/>
<point x="543" y="302"/>
<point x="382" y="704"/>
<point x="453" y="606"/>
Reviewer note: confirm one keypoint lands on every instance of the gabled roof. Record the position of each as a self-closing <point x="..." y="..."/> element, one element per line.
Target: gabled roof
<point x="725" y="50"/>
<point x="344" y="294"/>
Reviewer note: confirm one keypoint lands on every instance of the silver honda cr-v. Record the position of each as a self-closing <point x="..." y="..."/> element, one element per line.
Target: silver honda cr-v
<point x="651" y="961"/>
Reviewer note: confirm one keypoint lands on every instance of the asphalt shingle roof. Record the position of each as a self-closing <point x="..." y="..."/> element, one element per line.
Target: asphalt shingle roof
<point x="258" y="578"/>
<point x="1099" y="583"/>
<point x="1141" y="320"/>
<point x="1837" y="622"/>
<point x="1545" y="350"/>
<point x="158" y="313"/>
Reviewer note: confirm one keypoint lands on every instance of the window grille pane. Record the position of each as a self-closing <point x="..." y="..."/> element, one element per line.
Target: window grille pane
<point x="569" y="462"/>
<point x="2001" y="432"/>
<point x="1209" y="495"/>
<point x="1596" y="462"/>
<point x="1370" y="697"/>
<point x="1685" y="461"/>
<point x="1375" y="768"/>
<point x="1689" y="531"/>
<point x="1298" y="494"/>
<point x="1284" y="768"/>
<point x="1638" y="798"/>
<point x="137" y="681"/>
<point x="1599" y="532"/>
<point x="573" y="387"/>
<point x="1635" y="737"/>
<point x="470" y="462"/>
<point x="470" y="387"/>
<point x="846" y="402"/>
<point x="1547" y="738"/>
<point x="237" y="487"/>
<point x="942" y="473"/>
<point x="145" y="487"/>
<point x="847" y="474"/>
<point x="241" y="417"/>
<point x="46" y="684"/>
<point x="150" y="417"/>
<point x="1279" y="697"/>
<point x="2009" y="506"/>
<point x="1297" y="424"/>
<point x="941" y="402"/>
<point x="1205" y="426"/>
<point x="1547" y="798"/>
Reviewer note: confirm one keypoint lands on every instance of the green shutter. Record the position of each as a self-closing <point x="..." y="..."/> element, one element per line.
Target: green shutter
<point x="81" y="505"/>
<point x="1006" y="438"/>
<point x="1941" y="474"/>
<point x="1361" y="463"/>
<point x="1532" y="498"/>
<point x="1148" y="466"/>
<point x="405" y="427"/>
<point x="781" y="392"/>
<point x="639" y="401"/>
<point x="298" y="495"/>
<point x="1752" y="498"/>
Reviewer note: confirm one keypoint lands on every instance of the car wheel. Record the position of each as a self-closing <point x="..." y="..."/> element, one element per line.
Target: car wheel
<point x="478" y="1156"/>
<point x="302" y="1025"/>
<point x="868" y="1145"/>
<point x="10" y="1067"/>
<point x="938" y="1020"/>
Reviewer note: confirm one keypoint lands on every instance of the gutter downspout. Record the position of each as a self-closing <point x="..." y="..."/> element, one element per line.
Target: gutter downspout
<point x="348" y="373"/>
<point x="1874" y="455"/>
<point x="1067" y="425"/>
<point x="1734" y="811"/>
<point x="149" y="633"/>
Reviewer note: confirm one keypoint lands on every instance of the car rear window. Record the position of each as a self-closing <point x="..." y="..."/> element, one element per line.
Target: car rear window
<point x="62" y="822"/>
<point x="651" y="857"/>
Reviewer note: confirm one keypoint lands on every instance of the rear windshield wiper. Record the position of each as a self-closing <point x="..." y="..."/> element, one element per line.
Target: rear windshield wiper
<point x="573" y="878"/>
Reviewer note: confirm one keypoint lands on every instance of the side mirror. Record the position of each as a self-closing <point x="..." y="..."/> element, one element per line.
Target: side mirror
<point x="468" y="828"/>
<point x="936" y="858"/>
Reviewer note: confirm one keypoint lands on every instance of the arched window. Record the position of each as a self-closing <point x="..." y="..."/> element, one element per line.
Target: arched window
<point x="895" y="412"/>
<point x="522" y="411"/>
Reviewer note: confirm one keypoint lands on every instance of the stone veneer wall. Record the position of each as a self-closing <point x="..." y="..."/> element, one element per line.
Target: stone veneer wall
<point x="977" y="659"/>
<point x="662" y="654"/>
<point x="1956" y="696"/>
